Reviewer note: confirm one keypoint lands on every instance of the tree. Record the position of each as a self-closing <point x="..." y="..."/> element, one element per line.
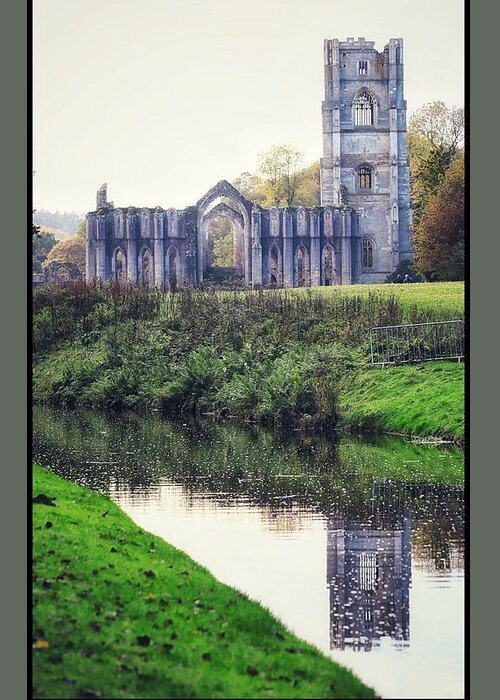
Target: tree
<point x="438" y="239"/>
<point x="71" y="250"/>
<point x="251" y="187"/>
<point x="42" y="244"/>
<point x="441" y="126"/>
<point x="260" y="190"/>
<point x="220" y="242"/>
<point x="308" y="191"/>
<point x="279" y="167"/>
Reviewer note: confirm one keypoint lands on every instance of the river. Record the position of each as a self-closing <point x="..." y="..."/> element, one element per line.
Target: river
<point x="357" y="545"/>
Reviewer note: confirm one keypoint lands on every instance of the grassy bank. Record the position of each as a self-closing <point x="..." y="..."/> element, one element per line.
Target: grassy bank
<point x="119" y="613"/>
<point x="425" y="400"/>
<point x="277" y="357"/>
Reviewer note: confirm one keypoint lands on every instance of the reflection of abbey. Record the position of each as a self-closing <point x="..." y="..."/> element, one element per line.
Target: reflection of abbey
<point x="368" y="573"/>
<point x="358" y="234"/>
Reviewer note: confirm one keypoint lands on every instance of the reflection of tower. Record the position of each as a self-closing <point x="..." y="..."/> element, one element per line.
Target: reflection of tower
<point x="368" y="572"/>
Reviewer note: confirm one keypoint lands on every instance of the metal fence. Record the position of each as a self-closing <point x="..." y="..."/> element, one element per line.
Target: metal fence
<point x="417" y="342"/>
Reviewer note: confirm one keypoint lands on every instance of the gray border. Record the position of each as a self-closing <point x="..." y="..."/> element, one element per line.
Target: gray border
<point x="13" y="511"/>
<point x="484" y="360"/>
<point x="484" y="252"/>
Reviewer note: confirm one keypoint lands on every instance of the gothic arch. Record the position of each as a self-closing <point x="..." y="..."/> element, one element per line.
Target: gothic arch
<point x="365" y="177"/>
<point x="172" y="268"/>
<point x="368" y="251"/>
<point x="119" y="265"/>
<point x="145" y="267"/>
<point x="145" y="220"/>
<point x="302" y="272"/>
<point x="119" y="223"/>
<point x="239" y="211"/>
<point x="328" y="266"/>
<point x="364" y="108"/>
<point x="275" y="266"/>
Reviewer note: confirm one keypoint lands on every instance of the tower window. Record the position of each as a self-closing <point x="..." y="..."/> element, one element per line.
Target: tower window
<point x="363" y="109"/>
<point x="362" y="67"/>
<point x="364" y="178"/>
<point x="366" y="252"/>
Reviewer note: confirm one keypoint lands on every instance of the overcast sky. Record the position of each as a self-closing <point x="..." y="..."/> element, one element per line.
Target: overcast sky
<point x="161" y="99"/>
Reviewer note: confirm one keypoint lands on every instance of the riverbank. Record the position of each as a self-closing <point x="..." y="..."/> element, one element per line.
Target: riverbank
<point x="120" y="613"/>
<point x="297" y="358"/>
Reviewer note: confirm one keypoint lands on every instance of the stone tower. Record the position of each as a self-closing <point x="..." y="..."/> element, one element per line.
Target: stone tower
<point x="365" y="158"/>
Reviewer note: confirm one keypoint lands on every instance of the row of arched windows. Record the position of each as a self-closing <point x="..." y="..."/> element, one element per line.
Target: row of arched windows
<point x="145" y="268"/>
<point x="328" y="264"/>
<point x="301" y="265"/>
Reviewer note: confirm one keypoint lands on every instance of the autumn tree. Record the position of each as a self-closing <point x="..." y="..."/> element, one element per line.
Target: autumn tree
<point x="42" y="244"/>
<point x="278" y="167"/>
<point x="435" y="138"/>
<point x="308" y="191"/>
<point x="438" y="239"/>
<point x="252" y="187"/>
<point x="72" y="250"/>
<point x="265" y="192"/>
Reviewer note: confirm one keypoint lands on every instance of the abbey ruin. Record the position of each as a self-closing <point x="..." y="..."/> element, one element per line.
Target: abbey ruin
<point x="359" y="234"/>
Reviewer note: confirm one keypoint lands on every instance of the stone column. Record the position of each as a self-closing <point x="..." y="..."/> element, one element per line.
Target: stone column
<point x="131" y="248"/>
<point x="159" y="257"/>
<point x="256" y="249"/>
<point x="315" y="257"/>
<point x="287" y="248"/>
<point x="346" y="248"/>
<point x="90" y="257"/>
<point x="101" y="270"/>
<point x="393" y="213"/>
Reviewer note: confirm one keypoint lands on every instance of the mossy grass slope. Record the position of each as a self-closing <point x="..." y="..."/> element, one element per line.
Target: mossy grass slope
<point x="119" y="613"/>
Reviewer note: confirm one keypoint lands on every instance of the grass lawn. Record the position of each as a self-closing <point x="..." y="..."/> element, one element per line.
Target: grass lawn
<point x="445" y="296"/>
<point x="425" y="399"/>
<point x="119" y="613"/>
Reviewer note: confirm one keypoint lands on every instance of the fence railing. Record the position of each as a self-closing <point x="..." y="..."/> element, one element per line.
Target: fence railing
<point x="417" y="342"/>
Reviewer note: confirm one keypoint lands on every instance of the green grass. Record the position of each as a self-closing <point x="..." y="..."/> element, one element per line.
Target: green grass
<point x="119" y="613"/>
<point x="447" y="297"/>
<point x="425" y="399"/>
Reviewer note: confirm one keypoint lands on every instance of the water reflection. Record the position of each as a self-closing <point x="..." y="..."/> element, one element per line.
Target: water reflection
<point x="348" y="540"/>
<point x="368" y="573"/>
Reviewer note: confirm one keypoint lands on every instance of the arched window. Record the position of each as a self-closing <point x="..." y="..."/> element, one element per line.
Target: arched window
<point x="146" y="267"/>
<point x="363" y="109"/>
<point x="120" y="266"/>
<point x="172" y="271"/>
<point x="274" y="267"/>
<point x="366" y="252"/>
<point x="302" y="267"/>
<point x="328" y="266"/>
<point x="364" y="178"/>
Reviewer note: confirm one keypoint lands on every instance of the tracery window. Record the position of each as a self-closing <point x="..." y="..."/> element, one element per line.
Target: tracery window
<point x="364" y="178"/>
<point x="363" y="109"/>
<point x="366" y="252"/>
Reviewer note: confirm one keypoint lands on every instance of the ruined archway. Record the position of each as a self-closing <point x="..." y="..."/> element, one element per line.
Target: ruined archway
<point x="119" y="266"/>
<point x="275" y="267"/>
<point x="145" y="266"/>
<point x="224" y="201"/>
<point x="328" y="268"/>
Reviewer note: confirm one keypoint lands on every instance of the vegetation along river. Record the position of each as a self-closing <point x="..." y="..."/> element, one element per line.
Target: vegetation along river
<point x="357" y="545"/>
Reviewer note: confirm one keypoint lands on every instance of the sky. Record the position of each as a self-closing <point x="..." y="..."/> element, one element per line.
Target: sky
<point x="161" y="99"/>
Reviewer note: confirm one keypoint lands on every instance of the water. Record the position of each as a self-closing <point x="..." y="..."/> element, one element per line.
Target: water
<point x="356" y="545"/>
